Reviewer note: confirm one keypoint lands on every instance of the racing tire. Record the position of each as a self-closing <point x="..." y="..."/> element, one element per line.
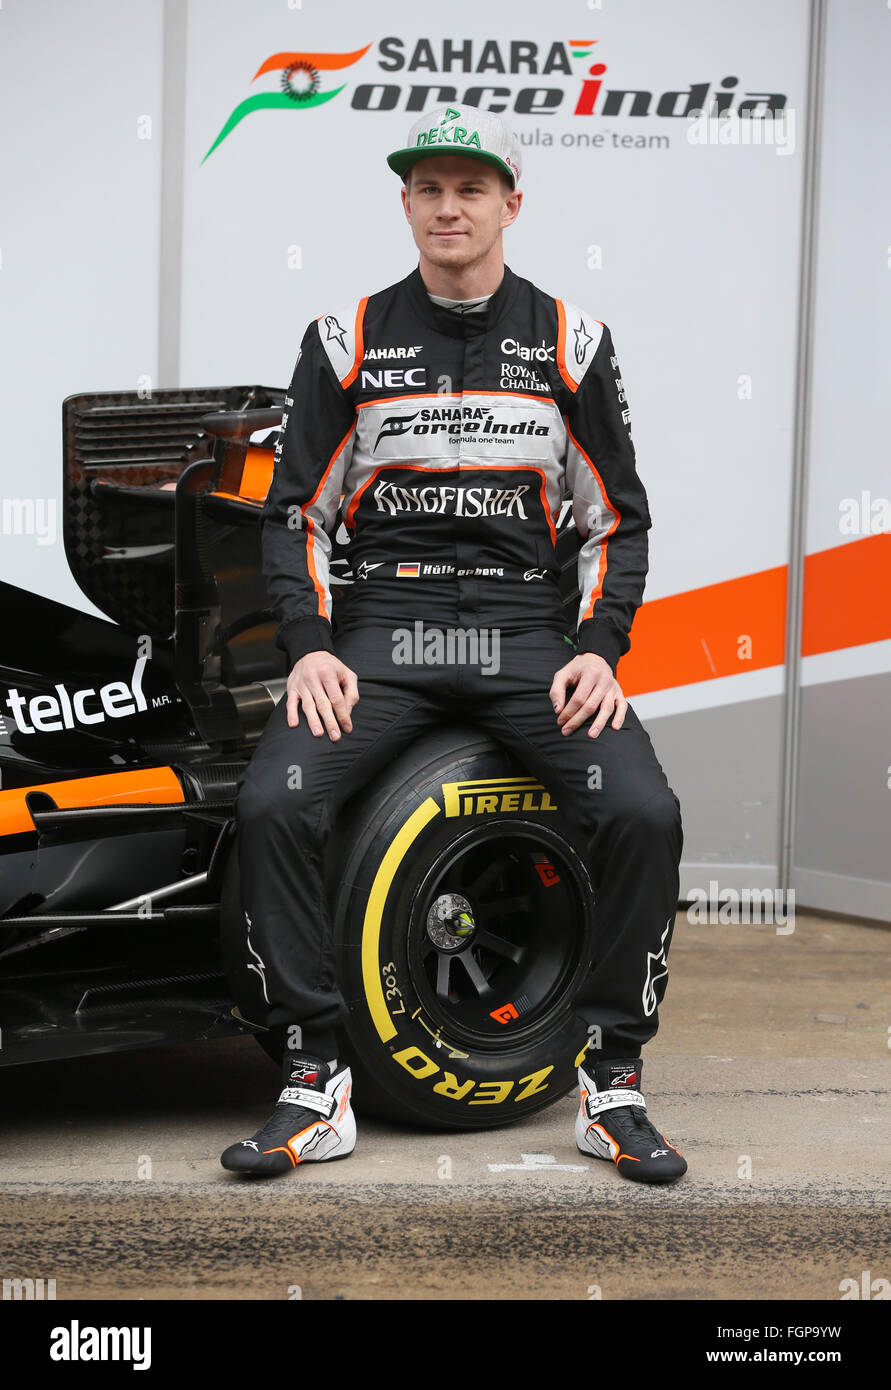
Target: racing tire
<point x="464" y="924"/>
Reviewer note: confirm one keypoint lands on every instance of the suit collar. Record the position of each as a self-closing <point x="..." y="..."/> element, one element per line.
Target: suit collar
<point x="461" y="325"/>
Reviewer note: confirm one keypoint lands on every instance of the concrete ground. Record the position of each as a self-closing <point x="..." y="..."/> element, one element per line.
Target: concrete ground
<point x="769" y="1073"/>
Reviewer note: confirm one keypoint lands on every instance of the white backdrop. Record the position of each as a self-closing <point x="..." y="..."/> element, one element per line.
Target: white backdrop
<point x="80" y="182"/>
<point x="851" y="393"/>
<point x="699" y="243"/>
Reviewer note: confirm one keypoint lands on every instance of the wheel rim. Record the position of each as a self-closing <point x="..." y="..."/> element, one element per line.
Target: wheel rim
<point x="497" y="934"/>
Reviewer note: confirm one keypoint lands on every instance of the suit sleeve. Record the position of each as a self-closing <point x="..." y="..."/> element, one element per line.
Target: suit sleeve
<point x="609" y="506"/>
<point x="301" y="506"/>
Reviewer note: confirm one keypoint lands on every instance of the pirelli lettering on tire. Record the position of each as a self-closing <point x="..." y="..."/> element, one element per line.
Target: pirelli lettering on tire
<point x="495" y="796"/>
<point x="423" y="1068"/>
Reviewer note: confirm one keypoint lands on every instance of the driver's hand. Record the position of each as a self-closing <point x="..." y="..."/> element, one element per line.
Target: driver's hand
<point x="595" y="688"/>
<point x="327" y="690"/>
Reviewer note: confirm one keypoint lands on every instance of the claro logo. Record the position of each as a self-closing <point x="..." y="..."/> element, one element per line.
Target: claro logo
<point x="543" y="353"/>
<point x="49" y="714"/>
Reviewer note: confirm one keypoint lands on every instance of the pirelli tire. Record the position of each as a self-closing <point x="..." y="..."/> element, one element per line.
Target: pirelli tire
<point x="464" y="920"/>
<point x="463" y="917"/>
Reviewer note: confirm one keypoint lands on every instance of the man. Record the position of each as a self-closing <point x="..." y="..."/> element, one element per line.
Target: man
<point x="449" y="471"/>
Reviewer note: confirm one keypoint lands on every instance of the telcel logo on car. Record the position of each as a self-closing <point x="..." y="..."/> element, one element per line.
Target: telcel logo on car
<point x="50" y="714"/>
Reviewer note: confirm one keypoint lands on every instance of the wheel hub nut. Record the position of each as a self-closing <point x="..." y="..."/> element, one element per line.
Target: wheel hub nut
<point x="450" y="922"/>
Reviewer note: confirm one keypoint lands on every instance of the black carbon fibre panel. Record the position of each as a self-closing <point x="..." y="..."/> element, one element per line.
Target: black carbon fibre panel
<point x="121" y="553"/>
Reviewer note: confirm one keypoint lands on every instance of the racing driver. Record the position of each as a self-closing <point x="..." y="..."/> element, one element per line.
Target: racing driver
<point x="444" y="419"/>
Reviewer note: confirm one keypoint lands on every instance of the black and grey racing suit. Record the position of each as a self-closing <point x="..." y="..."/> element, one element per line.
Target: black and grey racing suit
<point x="445" y="443"/>
<point x="448" y="443"/>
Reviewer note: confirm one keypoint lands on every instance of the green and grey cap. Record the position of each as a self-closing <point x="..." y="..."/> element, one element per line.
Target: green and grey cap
<point x="464" y="130"/>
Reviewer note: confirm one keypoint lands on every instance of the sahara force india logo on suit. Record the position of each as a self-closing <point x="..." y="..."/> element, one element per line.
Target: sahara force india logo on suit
<point x="458" y="422"/>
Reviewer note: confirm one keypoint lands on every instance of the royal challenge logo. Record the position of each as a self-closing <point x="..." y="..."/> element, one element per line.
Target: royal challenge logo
<point x="519" y="77"/>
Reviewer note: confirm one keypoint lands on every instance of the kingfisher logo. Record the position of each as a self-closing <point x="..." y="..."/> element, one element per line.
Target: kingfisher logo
<point x="454" y="501"/>
<point x="414" y="74"/>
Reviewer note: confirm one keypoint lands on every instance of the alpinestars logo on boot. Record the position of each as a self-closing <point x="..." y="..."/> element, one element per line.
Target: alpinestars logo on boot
<point x="304" y="1071"/>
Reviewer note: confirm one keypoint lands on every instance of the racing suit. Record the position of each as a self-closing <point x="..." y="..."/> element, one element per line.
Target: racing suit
<point x="453" y="440"/>
<point x="446" y="443"/>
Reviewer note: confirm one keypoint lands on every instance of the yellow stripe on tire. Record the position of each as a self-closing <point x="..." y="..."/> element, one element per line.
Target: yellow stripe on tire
<point x="371" y="927"/>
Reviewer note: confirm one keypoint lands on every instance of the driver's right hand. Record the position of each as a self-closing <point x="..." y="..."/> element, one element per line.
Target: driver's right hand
<point x="327" y="689"/>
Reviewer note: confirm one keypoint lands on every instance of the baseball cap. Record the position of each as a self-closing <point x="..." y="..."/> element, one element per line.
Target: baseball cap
<point x="460" y="129"/>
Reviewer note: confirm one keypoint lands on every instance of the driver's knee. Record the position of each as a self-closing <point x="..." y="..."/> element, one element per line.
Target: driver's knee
<point x="279" y="801"/>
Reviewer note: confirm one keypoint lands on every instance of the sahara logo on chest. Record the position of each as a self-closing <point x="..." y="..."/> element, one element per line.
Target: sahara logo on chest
<point x="377" y="354"/>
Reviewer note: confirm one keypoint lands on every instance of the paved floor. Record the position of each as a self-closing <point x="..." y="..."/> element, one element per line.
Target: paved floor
<point x="770" y="1073"/>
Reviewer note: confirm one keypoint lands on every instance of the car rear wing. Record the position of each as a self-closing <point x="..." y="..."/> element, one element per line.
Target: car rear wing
<point x="123" y="452"/>
<point x="124" y="455"/>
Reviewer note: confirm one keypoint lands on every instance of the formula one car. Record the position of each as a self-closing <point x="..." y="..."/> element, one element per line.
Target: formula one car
<point x="462" y="907"/>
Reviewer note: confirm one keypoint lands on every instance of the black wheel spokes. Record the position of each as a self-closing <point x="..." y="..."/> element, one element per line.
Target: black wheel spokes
<point x="526" y="937"/>
<point x="499" y="946"/>
<point x="493" y="910"/>
<point x="443" y="971"/>
<point x="481" y="881"/>
<point x="472" y="967"/>
<point x="519" y="903"/>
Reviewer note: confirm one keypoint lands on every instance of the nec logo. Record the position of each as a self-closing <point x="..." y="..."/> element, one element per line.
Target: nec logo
<point x="392" y="378"/>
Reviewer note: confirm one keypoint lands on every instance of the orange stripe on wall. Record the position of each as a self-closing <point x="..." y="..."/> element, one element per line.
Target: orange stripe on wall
<point x="151" y="784"/>
<point x="847" y="595"/>
<point x="696" y="636"/>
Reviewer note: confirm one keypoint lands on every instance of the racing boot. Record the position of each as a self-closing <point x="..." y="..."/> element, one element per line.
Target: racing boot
<point x="612" y="1123"/>
<point x="312" y="1121"/>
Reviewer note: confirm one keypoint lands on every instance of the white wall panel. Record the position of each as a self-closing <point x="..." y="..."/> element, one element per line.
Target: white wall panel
<point x="843" y="825"/>
<point x="79" y="238"/>
<point x="851" y="396"/>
